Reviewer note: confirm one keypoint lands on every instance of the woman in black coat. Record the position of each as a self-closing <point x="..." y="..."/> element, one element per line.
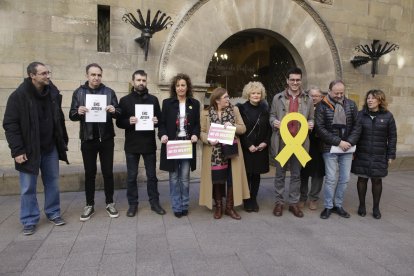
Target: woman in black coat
<point x="375" y="149"/>
<point x="255" y="140"/>
<point x="180" y="120"/>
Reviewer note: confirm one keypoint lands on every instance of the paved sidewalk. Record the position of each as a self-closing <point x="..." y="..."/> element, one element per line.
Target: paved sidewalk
<point x="259" y="244"/>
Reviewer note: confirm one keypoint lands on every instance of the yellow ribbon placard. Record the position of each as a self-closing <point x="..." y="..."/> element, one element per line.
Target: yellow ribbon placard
<point x="293" y="145"/>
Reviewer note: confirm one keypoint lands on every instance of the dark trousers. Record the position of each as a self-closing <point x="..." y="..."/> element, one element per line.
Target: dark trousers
<point x="90" y="150"/>
<point x="254" y="183"/>
<point x="132" y="161"/>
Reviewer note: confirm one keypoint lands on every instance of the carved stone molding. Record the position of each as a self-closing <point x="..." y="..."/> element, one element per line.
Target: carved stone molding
<point x="306" y="6"/>
<point x="329" y="38"/>
<point x="328" y="2"/>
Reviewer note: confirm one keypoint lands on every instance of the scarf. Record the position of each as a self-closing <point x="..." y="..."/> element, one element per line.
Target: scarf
<point x="293" y="126"/>
<point x="219" y="166"/>
<point x="339" y="119"/>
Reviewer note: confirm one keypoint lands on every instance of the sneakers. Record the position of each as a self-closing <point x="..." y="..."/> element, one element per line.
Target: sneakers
<point x="88" y="211"/>
<point x="58" y="221"/>
<point x="29" y="230"/>
<point x="112" y="212"/>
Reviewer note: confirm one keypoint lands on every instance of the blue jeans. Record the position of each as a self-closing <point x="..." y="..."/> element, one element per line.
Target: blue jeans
<point x="29" y="208"/>
<point x="132" y="161"/>
<point x="179" y="185"/>
<point x="334" y="190"/>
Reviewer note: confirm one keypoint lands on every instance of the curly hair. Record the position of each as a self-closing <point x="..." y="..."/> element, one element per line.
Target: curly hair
<point x="254" y="86"/>
<point x="380" y="96"/>
<point x="175" y="79"/>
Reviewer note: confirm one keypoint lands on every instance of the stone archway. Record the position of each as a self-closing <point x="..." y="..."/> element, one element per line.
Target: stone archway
<point x="208" y="23"/>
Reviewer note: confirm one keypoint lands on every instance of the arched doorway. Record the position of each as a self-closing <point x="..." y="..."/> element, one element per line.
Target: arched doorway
<point x="250" y="55"/>
<point x="197" y="35"/>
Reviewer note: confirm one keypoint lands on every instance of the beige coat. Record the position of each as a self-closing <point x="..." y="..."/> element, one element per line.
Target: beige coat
<point x="240" y="186"/>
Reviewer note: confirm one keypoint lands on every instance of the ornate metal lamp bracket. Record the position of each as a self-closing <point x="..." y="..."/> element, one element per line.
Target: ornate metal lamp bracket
<point x="373" y="53"/>
<point x="147" y="27"/>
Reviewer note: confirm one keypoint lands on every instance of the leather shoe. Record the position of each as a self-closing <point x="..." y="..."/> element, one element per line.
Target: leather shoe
<point x="301" y="204"/>
<point x="376" y="213"/>
<point x="362" y="211"/>
<point x="132" y="210"/>
<point x="295" y="210"/>
<point x="313" y="205"/>
<point x="157" y="209"/>
<point x="178" y="214"/>
<point x="278" y="210"/>
<point x="326" y="213"/>
<point x="184" y="212"/>
<point x="342" y="213"/>
<point x="247" y="205"/>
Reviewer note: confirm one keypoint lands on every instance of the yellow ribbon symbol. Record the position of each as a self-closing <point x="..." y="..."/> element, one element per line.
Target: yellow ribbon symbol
<point x="293" y="145"/>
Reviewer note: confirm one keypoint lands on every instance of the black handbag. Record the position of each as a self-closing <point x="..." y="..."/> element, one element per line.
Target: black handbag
<point x="230" y="151"/>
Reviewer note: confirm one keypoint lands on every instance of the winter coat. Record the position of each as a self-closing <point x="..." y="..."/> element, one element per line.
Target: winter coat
<point x="316" y="166"/>
<point x="280" y="108"/>
<point x="376" y="145"/>
<point x="22" y="126"/>
<point x="330" y="135"/>
<point x="168" y="126"/>
<point x="256" y="119"/>
<point x="138" y="141"/>
<point x="240" y="186"/>
<point x="106" y="130"/>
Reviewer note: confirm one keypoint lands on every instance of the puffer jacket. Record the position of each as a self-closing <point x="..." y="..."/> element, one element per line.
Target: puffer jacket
<point x="106" y="130"/>
<point x="377" y="144"/>
<point x="330" y="135"/>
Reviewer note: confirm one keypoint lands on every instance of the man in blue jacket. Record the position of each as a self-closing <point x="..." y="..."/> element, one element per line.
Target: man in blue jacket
<point x="96" y="138"/>
<point x="35" y="130"/>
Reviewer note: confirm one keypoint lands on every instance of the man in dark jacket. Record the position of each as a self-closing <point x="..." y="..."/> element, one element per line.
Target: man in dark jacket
<point x="140" y="142"/>
<point x="96" y="138"/>
<point x="336" y="125"/>
<point x="35" y="130"/>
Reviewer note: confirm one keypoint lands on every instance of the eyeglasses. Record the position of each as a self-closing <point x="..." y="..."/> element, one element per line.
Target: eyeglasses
<point x="295" y="80"/>
<point x="46" y="73"/>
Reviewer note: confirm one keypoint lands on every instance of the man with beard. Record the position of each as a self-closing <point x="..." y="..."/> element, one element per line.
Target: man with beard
<point x="336" y="125"/>
<point x="96" y="138"/>
<point x="140" y="142"/>
<point x="35" y="129"/>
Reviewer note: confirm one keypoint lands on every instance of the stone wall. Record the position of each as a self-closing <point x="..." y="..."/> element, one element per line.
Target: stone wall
<point x="63" y="34"/>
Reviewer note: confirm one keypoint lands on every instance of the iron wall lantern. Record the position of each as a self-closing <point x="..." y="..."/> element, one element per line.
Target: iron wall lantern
<point x="373" y="52"/>
<point x="147" y="27"/>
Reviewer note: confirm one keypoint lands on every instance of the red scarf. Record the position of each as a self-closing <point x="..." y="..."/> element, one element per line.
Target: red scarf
<point x="293" y="126"/>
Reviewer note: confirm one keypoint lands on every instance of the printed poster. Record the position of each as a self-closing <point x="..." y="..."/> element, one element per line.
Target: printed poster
<point x="96" y="105"/>
<point x="144" y="114"/>
<point x="179" y="149"/>
<point x="223" y="135"/>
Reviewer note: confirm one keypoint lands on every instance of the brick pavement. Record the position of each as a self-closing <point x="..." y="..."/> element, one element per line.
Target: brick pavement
<point x="259" y="244"/>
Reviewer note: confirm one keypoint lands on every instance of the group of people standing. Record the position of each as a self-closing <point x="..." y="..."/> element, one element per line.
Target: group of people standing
<point x="36" y="133"/>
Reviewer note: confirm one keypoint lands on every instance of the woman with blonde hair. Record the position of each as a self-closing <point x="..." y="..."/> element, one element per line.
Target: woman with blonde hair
<point x="375" y="149"/>
<point x="216" y="169"/>
<point x="255" y="141"/>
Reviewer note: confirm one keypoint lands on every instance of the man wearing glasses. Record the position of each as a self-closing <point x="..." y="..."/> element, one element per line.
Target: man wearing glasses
<point x="292" y="99"/>
<point x="35" y="130"/>
<point x="315" y="168"/>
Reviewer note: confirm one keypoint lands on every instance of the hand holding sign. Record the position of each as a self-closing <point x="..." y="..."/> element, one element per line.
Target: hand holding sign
<point x="293" y="144"/>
